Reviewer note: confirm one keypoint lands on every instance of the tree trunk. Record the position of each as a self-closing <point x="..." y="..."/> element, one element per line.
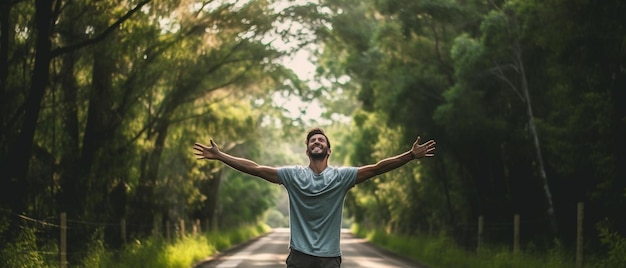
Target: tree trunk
<point x="69" y="167"/>
<point x="17" y="163"/>
<point x="446" y="188"/>
<point x="144" y="205"/>
<point x="5" y="32"/>
<point x="535" y="137"/>
<point x="211" y="189"/>
<point x="5" y="179"/>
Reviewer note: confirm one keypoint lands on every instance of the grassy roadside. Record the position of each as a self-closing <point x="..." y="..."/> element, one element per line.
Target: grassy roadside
<point x="441" y="251"/>
<point x="183" y="252"/>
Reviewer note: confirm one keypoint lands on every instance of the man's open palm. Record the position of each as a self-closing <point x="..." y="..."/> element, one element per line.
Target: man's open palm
<point x="423" y="150"/>
<point x="206" y="152"/>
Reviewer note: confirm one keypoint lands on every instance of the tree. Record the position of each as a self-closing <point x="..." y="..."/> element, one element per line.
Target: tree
<point x="398" y="65"/>
<point x="119" y="81"/>
<point x="21" y="148"/>
<point x="502" y="38"/>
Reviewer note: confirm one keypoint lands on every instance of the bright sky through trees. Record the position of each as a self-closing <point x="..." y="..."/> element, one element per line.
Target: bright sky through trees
<point x="301" y="63"/>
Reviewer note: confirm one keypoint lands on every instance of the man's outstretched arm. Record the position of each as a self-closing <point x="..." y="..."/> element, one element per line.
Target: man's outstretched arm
<point x="388" y="164"/>
<point x="244" y="165"/>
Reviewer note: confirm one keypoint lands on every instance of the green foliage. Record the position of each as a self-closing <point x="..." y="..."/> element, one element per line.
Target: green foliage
<point x="23" y="251"/>
<point x="260" y="196"/>
<point x="123" y="105"/>
<point x="615" y="245"/>
<point x="418" y="70"/>
<point x="188" y="251"/>
<point x="96" y="252"/>
<point x="182" y="252"/>
<point x="276" y="219"/>
<point x="150" y="252"/>
<point x="442" y="251"/>
<point x="131" y="88"/>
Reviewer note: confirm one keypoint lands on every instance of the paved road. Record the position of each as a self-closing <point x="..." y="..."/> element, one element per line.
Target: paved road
<point x="271" y="251"/>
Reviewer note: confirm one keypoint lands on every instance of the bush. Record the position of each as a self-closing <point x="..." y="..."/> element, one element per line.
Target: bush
<point x="441" y="251"/>
<point x="615" y="245"/>
<point x="156" y="252"/>
<point x="275" y="219"/>
<point x="96" y="251"/>
<point x="23" y="251"/>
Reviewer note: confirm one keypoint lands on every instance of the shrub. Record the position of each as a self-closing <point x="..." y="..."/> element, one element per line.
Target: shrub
<point x="615" y="244"/>
<point x="23" y="252"/>
<point x="156" y="252"/>
<point x="442" y="251"/>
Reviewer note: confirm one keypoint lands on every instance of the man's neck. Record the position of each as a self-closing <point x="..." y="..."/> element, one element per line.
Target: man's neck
<point x="318" y="165"/>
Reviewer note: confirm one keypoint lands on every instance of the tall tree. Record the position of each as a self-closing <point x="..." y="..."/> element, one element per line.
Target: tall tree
<point x="582" y="57"/>
<point x="231" y="64"/>
<point x="502" y="33"/>
<point x="16" y="166"/>
<point x="398" y="63"/>
<point x="20" y="149"/>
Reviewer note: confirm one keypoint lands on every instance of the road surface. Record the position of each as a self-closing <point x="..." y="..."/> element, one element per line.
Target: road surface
<point x="271" y="251"/>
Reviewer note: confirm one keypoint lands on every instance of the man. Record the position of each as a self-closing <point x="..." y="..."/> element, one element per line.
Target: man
<point x="316" y="194"/>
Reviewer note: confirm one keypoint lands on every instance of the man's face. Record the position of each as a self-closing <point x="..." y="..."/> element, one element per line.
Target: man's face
<point x="317" y="147"/>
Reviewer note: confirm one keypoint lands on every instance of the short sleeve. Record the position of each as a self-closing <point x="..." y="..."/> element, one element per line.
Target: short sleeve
<point x="349" y="174"/>
<point x="284" y="173"/>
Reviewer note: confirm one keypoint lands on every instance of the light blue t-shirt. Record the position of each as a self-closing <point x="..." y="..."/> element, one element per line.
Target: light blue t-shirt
<point x="315" y="207"/>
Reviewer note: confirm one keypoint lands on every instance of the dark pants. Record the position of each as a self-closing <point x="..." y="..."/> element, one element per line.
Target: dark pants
<point x="297" y="259"/>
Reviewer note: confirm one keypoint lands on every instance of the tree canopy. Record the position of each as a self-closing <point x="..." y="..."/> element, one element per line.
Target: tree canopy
<point x="101" y="102"/>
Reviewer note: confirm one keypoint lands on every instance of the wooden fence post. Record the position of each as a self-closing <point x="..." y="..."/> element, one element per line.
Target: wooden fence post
<point x="516" y="234"/>
<point x="196" y="227"/>
<point x="63" y="246"/>
<point x="579" y="235"/>
<point x="481" y="223"/>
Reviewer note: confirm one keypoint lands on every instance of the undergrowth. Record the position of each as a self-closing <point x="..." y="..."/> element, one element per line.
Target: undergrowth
<point x="184" y="252"/>
<point x="154" y="252"/>
<point x="441" y="251"/>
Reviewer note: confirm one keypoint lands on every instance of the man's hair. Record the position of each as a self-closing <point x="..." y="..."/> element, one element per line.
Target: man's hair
<point x="314" y="131"/>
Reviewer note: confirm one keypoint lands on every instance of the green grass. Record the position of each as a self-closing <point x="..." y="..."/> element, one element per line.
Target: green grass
<point x="434" y="252"/>
<point x="154" y="252"/>
<point x="441" y="251"/>
<point x="23" y="252"/>
<point x="183" y="252"/>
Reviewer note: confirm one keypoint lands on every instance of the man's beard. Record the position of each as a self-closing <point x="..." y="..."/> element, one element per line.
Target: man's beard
<point x="319" y="155"/>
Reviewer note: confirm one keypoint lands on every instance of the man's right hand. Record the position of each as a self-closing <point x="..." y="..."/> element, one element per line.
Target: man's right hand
<point x="206" y="152"/>
<point x="244" y="165"/>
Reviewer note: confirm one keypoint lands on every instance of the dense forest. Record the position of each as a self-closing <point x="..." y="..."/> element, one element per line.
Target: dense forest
<point x="101" y="102"/>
